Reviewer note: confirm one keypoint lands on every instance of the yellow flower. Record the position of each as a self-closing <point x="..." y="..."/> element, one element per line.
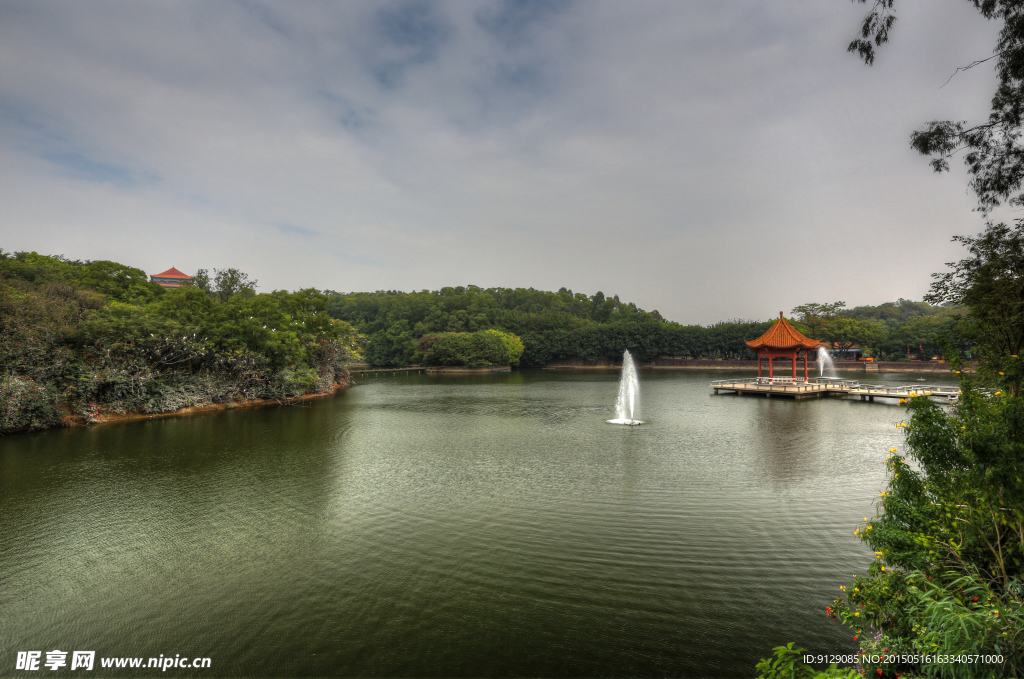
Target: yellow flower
<point x="895" y="475"/>
<point x="856" y="589"/>
<point x="1002" y="373"/>
<point x="857" y="613"/>
<point x="883" y="568"/>
<point x="998" y="392"/>
<point x="869" y="527"/>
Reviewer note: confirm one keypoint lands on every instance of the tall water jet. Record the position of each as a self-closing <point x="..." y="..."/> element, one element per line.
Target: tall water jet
<point x="627" y="405"/>
<point x="825" y="363"/>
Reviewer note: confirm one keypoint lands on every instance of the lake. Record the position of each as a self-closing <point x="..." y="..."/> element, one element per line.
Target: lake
<point x="476" y="525"/>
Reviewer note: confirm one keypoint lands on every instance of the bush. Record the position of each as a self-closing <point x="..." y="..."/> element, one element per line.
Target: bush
<point x="26" y="404"/>
<point x="474" y="350"/>
<point x="948" y="537"/>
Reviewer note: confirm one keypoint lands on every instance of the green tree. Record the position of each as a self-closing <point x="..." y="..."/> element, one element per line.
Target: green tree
<point x="990" y="283"/>
<point x="474" y="350"/>
<point x="949" y="536"/>
<point x="119" y="282"/>
<point x="815" y="316"/>
<point x="844" y="333"/>
<point x="225" y="283"/>
<point x="993" y="152"/>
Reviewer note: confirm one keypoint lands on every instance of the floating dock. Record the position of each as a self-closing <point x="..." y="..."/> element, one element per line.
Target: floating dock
<point x="787" y="387"/>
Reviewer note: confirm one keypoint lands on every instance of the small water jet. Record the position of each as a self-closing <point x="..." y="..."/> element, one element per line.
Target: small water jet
<point x="825" y="363"/>
<point x="627" y="405"/>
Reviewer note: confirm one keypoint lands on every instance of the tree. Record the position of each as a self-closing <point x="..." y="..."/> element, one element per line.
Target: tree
<point x="949" y="538"/>
<point x="476" y="349"/>
<point x="119" y="282"/>
<point x="815" y="316"/>
<point x="844" y="333"/>
<point x="994" y="154"/>
<point x="991" y="284"/>
<point x="225" y="284"/>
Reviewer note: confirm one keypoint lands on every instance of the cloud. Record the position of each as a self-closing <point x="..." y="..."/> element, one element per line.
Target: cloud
<point x="291" y="229"/>
<point x="707" y="160"/>
<point x="406" y="35"/>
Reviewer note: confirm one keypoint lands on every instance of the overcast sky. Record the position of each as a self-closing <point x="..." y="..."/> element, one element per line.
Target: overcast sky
<point x="710" y="160"/>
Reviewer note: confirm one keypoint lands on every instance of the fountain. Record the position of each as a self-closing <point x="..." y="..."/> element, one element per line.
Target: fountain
<point x="627" y="406"/>
<point x="825" y="363"/>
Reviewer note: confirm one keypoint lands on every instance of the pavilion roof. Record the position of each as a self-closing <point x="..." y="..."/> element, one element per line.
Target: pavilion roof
<point x="171" y="273"/>
<point x="782" y="335"/>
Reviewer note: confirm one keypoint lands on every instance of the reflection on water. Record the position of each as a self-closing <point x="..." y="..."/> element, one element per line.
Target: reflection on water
<point x="476" y="525"/>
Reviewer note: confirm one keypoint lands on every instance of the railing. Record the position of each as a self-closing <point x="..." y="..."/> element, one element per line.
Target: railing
<point x="775" y="380"/>
<point x="836" y="385"/>
<point x="837" y="382"/>
<point x="773" y="384"/>
<point x="909" y="391"/>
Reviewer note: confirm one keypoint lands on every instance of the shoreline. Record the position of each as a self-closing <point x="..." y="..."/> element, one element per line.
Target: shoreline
<point x="111" y="418"/>
<point x="925" y="367"/>
<point x="214" y="407"/>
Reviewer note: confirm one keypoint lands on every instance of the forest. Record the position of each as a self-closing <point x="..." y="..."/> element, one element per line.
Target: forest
<point x="83" y="340"/>
<point x="565" y="325"/>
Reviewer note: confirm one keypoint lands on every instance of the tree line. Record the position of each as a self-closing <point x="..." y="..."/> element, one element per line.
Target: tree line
<point x="900" y="330"/>
<point x="566" y="325"/>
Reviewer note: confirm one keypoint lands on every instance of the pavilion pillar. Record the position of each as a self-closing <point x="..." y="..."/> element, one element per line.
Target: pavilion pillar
<point x="770" y="373"/>
<point x="794" y="364"/>
<point x="805" y="366"/>
<point x="759" y="364"/>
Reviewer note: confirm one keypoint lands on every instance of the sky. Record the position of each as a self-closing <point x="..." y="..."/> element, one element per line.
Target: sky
<point x="711" y="161"/>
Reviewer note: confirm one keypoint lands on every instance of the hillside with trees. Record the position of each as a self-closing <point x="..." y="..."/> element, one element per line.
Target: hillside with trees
<point x="81" y="340"/>
<point x="552" y="325"/>
<point x="563" y="325"/>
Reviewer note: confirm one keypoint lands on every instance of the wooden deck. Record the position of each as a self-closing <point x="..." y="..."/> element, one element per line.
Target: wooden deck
<point x="787" y="387"/>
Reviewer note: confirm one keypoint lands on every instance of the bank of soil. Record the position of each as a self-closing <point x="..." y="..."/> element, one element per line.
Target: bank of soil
<point x="464" y="369"/>
<point x="105" y="418"/>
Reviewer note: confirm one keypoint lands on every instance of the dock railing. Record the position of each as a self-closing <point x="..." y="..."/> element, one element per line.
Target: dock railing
<point x="768" y="384"/>
<point x="836" y="386"/>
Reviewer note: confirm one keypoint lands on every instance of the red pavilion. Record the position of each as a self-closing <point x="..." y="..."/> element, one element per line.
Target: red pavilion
<point x="172" y="278"/>
<point x="783" y="341"/>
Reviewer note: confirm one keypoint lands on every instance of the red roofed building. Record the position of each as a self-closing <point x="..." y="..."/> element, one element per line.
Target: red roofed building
<point x="172" y="278"/>
<point x="782" y="340"/>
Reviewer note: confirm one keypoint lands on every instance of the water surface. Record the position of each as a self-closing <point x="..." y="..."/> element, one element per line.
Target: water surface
<point x="486" y="525"/>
